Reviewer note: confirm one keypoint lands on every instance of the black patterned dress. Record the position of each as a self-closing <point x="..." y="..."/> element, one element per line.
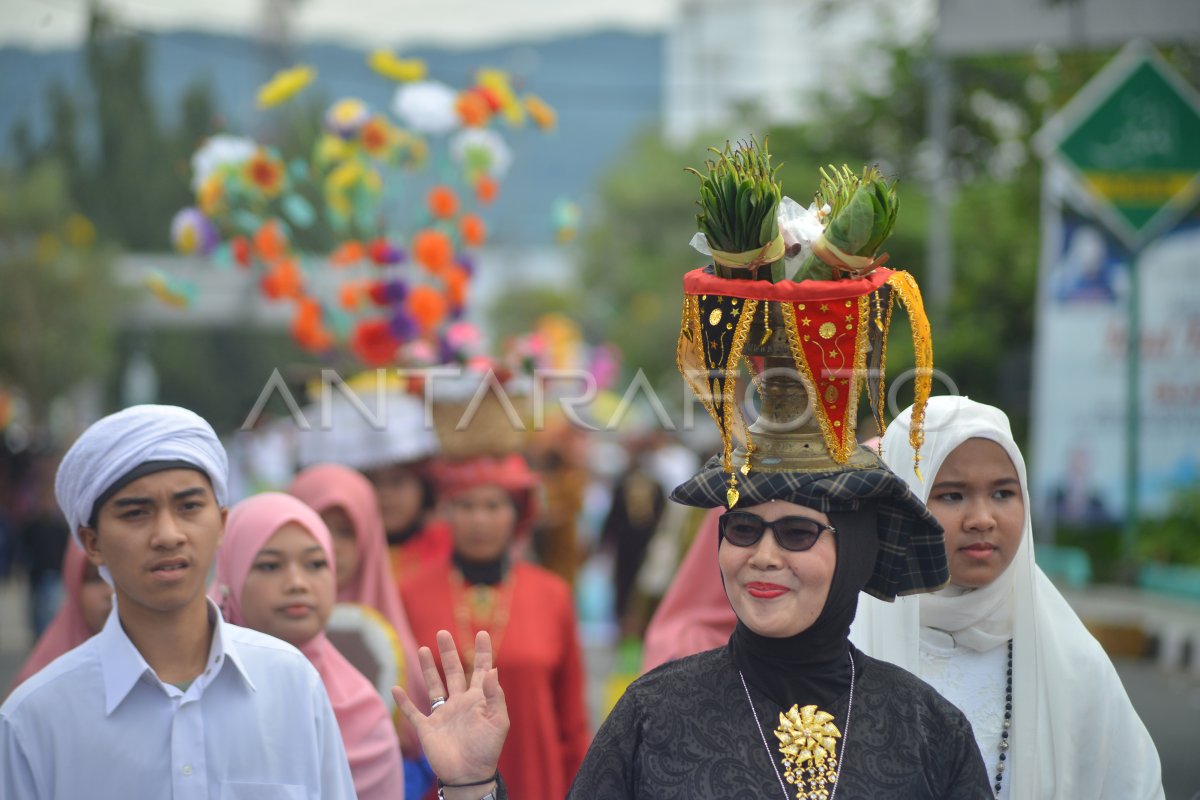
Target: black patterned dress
<point x="685" y="732"/>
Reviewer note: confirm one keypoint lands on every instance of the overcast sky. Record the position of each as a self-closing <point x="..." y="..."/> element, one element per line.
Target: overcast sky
<point x="393" y="23"/>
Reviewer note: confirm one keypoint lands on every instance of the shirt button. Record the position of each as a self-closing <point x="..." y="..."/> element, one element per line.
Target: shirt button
<point x="187" y="769"/>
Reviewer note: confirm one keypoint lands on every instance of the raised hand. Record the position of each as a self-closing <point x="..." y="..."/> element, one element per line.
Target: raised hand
<point x="462" y="736"/>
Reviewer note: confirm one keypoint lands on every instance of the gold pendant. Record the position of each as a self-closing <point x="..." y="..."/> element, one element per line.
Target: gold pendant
<point x="808" y="742"/>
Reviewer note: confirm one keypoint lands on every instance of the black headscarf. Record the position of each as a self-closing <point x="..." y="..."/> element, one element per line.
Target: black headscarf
<point x="813" y="667"/>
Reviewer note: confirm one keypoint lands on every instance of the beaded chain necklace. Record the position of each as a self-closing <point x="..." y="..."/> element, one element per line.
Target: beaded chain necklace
<point x="807" y="740"/>
<point x="1004" y="740"/>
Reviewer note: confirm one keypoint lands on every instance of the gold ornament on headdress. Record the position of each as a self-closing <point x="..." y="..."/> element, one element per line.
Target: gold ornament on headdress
<point x="808" y="743"/>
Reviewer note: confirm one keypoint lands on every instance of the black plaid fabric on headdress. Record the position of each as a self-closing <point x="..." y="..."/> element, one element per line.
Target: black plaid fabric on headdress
<point x="912" y="553"/>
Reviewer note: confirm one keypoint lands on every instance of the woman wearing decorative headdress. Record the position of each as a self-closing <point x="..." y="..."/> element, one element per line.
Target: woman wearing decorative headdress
<point x="1047" y="708"/>
<point x="789" y="708"/>
<point x="275" y="574"/>
<point x="393" y="446"/>
<point x="490" y="503"/>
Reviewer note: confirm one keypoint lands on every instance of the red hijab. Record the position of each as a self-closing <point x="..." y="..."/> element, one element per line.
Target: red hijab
<point x="511" y="473"/>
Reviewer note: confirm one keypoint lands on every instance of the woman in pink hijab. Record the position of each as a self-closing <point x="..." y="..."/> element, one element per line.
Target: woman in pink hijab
<point x="275" y="573"/>
<point x="79" y="618"/>
<point x="346" y="502"/>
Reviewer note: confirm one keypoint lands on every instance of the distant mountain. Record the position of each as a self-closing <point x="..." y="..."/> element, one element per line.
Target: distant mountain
<point x="606" y="87"/>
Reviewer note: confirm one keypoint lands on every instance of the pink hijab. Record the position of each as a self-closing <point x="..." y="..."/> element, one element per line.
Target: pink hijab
<point x="326" y="486"/>
<point x="68" y="629"/>
<point x="367" y="732"/>
<point x="694" y="614"/>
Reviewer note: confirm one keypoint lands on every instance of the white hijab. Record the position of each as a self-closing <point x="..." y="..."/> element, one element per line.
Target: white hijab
<point x="1075" y="733"/>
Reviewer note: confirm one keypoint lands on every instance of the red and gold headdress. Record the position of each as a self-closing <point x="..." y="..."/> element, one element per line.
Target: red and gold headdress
<point x="809" y="338"/>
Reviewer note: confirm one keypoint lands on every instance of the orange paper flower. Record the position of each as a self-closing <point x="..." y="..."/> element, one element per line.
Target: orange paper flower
<point x="486" y="189"/>
<point x="473" y="230"/>
<point x="457" y="282"/>
<point x="350" y="295"/>
<point x="307" y="330"/>
<point x="427" y="306"/>
<point x="473" y="109"/>
<point x="347" y="254"/>
<point x="542" y="114"/>
<point x="270" y="242"/>
<point x="433" y="250"/>
<point x="284" y="280"/>
<point x="443" y="203"/>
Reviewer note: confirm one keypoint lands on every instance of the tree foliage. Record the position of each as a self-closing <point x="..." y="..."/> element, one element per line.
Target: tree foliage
<point x="637" y="246"/>
<point x="59" y="306"/>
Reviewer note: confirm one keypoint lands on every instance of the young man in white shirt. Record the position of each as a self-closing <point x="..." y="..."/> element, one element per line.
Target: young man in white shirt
<point x="168" y="700"/>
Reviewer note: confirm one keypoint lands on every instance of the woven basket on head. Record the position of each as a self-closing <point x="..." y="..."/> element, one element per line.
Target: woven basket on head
<point x="487" y="425"/>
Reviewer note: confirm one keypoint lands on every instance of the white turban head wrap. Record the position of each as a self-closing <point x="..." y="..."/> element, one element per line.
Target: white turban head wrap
<point x="117" y="445"/>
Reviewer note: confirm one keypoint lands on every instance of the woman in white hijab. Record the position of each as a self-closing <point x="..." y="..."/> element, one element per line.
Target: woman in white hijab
<point x="1050" y="715"/>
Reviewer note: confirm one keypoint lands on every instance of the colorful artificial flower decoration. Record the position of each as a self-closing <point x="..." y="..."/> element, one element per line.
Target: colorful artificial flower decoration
<point x="373" y="343"/>
<point x="433" y="250"/>
<point x="171" y="291"/>
<point x="486" y="189"/>
<point x="540" y="112"/>
<point x="192" y="233"/>
<point x="427" y="306"/>
<point x="218" y="152"/>
<point x="248" y="201"/>
<point x="285" y="85"/>
<point x="265" y="172"/>
<point x="473" y="108"/>
<point x="402" y="70"/>
<point x="377" y="137"/>
<point x="346" y="117"/>
<point x="442" y="201"/>
<point x="427" y="107"/>
<point x="473" y="230"/>
<point x="480" y="151"/>
<point x="504" y="99"/>
<point x="307" y="328"/>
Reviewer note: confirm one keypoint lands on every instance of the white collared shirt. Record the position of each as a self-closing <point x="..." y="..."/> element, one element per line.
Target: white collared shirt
<point x="98" y="723"/>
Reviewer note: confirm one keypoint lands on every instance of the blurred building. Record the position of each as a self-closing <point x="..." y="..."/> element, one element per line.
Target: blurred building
<point x="738" y="65"/>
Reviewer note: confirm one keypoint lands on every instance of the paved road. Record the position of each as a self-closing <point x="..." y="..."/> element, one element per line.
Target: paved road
<point x="1168" y="701"/>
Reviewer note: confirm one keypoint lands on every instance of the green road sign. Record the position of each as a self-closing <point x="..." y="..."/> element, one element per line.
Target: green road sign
<point x="1131" y="137"/>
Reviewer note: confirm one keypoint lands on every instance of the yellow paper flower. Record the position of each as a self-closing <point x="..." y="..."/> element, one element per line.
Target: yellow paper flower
<point x="497" y="83"/>
<point x="399" y="69"/>
<point x="331" y="149"/>
<point x="343" y="177"/>
<point x="210" y="195"/>
<point x="285" y="85"/>
<point x="540" y="112"/>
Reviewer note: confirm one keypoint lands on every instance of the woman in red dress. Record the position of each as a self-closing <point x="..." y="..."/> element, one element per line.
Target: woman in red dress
<point x="528" y="612"/>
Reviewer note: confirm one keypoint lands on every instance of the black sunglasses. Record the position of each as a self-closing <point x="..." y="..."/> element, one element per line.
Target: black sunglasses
<point x="797" y="534"/>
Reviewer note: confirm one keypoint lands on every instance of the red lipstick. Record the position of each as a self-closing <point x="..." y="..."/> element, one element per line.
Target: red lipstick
<point x="766" y="591"/>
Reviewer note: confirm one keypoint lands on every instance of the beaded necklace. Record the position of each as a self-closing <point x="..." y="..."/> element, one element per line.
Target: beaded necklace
<point x="1004" y="740"/>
